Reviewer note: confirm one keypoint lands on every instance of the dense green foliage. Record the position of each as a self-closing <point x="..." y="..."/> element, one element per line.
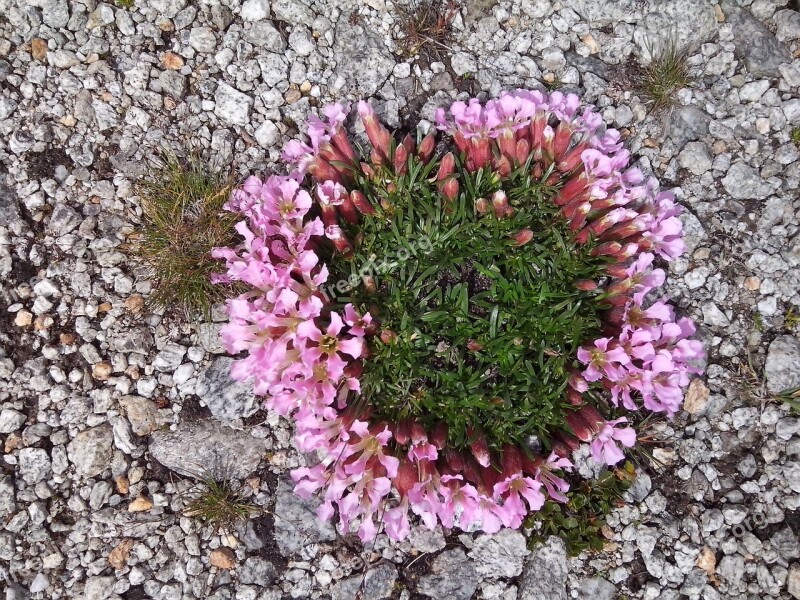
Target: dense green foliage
<point x="478" y="331"/>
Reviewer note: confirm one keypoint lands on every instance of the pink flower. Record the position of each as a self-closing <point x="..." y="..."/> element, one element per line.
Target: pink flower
<point x="604" y="447"/>
<point x="604" y="360"/>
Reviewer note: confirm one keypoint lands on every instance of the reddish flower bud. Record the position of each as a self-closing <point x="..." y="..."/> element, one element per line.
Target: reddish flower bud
<point x="361" y="203"/>
<point x="461" y="142"/>
<point x="574" y="397"/>
<point x="502" y="165"/>
<point x="408" y="142"/>
<point x="455" y="460"/>
<point x="561" y="139"/>
<point x="450" y="189"/>
<point x="572" y="159"/>
<point x="400" y="159"/>
<point x="323" y="171"/>
<point x="378" y="135"/>
<point x="402" y="431"/>
<point x="617" y="271"/>
<point x="586" y="285"/>
<point x="474" y="346"/>
<point x="479" y="154"/>
<point x="507" y="145"/>
<point x="446" y="167"/>
<point x="591" y="415"/>
<point x="571" y="190"/>
<point x="439" y="435"/>
<point x="418" y="434"/>
<point x="537" y="131"/>
<point x="523" y="151"/>
<point x="388" y="336"/>
<point x="348" y="210"/>
<point x="480" y="449"/>
<point x="369" y="284"/>
<point x="500" y="204"/>
<point x="426" y="148"/>
<point x="342" y="144"/>
<point x="579" y="426"/>
<point x="606" y="249"/>
<point x="512" y="460"/>
<point x="367" y="169"/>
<point x="523" y="237"/>
<point x="407" y="477"/>
<point x="482" y="206"/>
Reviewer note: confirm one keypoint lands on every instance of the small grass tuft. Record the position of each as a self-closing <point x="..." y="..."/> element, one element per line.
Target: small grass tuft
<point x="667" y="73"/>
<point x="124" y="3"/>
<point x="795" y="135"/>
<point x="426" y="26"/>
<point x="219" y="503"/>
<point x="183" y="221"/>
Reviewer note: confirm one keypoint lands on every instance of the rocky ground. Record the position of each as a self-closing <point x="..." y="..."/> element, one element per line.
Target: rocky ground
<point x="108" y="415"/>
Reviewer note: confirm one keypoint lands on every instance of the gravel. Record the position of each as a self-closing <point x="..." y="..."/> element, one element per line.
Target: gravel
<point x="108" y="414"/>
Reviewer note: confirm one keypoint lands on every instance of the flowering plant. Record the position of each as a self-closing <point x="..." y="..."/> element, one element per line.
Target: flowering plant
<point x="509" y="324"/>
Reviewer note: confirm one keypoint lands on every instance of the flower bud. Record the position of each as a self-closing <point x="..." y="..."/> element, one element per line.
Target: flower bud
<point x="474" y="346"/>
<point x="502" y="165"/>
<point x="388" y="336"/>
<point x="482" y="206"/>
<point x="480" y="450"/>
<point x="446" y="167"/>
<point x="439" y="435"/>
<point x="586" y="285"/>
<point x="522" y="237"/>
<point x="579" y="426"/>
<point x="361" y="203"/>
<point x="407" y="477"/>
<point x="500" y="204"/>
<point x="450" y="189"/>
<point x="400" y="159"/>
<point x="426" y="148"/>
<point x="523" y="151"/>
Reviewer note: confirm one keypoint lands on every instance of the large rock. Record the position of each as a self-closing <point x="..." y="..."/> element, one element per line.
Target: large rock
<point x="364" y="62"/>
<point x="760" y="49"/>
<point x="296" y="522"/>
<point x="90" y="451"/>
<point x="207" y="449"/>
<point x="545" y="576"/>
<point x="226" y="398"/>
<point x="684" y="22"/>
<point x="783" y="364"/>
<point x="453" y="576"/>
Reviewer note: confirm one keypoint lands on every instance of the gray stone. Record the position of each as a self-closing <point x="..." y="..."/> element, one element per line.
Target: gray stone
<point x="63" y="220"/>
<point x="264" y="35"/>
<point x="55" y="13"/>
<point x="501" y="554"/>
<point x="685" y="22"/>
<point x="256" y="570"/>
<point x="597" y="589"/>
<point x="7" y="106"/>
<point x="752" y="91"/>
<point x="686" y="124"/>
<point x="203" y="39"/>
<point x="545" y="575"/>
<point x="793" y="581"/>
<point x="11" y="420"/>
<point x="712" y="315"/>
<point x="99" y="588"/>
<point x="785" y="542"/>
<point x="232" y="105"/>
<point x="90" y="451"/>
<point x="744" y="183"/>
<point x="34" y="465"/>
<point x="168" y="8"/>
<point x="207" y="449"/>
<point x="293" y="11"/>
<point x="788" y="22"/>
<point x="297" y="524"/>
<point x="173" y="83"/>
<point x="7" y="504"/>
<point x="791" y="475"/>
<point x="267" y="134"/>
<point x="364" y="63"/>
<point x="695" y="157"/>
<point x="760" y="49"/>
<point x="254" y="10"/>
<point x="452" y="576"/>
<point x="226" y="398"/>
<point x="377" y="584"/>
<point x="100" y="17"/>
<point x="169" y="358"/>
<point x="142" y="414"/>
<point x="782" y="369"/>
<point x="626" y="11"/>
<point x="301" y="41"/>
